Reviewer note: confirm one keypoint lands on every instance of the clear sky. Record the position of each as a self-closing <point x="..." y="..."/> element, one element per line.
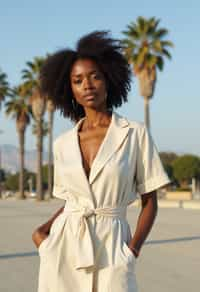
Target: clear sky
<point x="33" y="28"/>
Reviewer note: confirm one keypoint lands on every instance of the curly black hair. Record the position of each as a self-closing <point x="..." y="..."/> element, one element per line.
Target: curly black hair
<point x="108" y="55"/>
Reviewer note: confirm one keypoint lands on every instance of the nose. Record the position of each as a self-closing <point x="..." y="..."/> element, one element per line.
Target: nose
<point x="87" y="83"/>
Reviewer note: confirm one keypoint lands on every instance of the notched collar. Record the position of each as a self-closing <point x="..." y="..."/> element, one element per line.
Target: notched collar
<point x="71" y="156"/>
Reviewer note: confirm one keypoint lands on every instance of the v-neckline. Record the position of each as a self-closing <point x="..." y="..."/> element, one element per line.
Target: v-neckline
<point x="99" y="149"/>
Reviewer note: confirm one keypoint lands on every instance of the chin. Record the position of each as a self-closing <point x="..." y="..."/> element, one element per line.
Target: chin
<point x="93" y="104"/>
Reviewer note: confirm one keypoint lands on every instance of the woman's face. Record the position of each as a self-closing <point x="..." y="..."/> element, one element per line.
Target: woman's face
<point x="88" y="84"/>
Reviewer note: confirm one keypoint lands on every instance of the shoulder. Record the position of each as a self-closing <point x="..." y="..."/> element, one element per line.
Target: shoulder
<point x="58" y="142"/>
<point x="138" y="129"/>
<point x="138" y="126"/>
<point x="124" y="120"/>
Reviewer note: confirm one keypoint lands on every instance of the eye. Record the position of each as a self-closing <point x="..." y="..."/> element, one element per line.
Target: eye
<point x="77" y="81"/>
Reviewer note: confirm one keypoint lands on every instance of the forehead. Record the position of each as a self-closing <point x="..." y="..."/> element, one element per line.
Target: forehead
<point x="82" y="66"/>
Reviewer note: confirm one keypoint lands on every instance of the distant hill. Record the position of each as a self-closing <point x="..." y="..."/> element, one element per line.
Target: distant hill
<point x="10" y="158"/>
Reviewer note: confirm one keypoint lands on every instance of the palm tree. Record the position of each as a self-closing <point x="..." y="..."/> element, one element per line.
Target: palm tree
<point x="50" y="110"/>
<point x="4" y="91"/>
<point x="45" y="132"/>
<point x="4" y="86"/>
<point x="18" y="109"/>
<point x="44" y="129"/>
<point x="145" y="48"/>
<point x="38" y="103"/>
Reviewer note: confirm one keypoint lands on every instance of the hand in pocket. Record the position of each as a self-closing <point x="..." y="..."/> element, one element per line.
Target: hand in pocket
<point x="38" y="237"/>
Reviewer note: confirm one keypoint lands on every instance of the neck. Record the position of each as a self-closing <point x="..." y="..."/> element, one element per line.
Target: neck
<point x="94" y="118"/>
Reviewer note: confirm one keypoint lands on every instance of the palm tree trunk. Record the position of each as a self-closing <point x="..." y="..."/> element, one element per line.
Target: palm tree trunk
<point x="0" y="173"/>
<point x="50" y="160"/>
<point x="39" y="187"/>
<point x="146" y="112"/>
<point x="21" y="154"/>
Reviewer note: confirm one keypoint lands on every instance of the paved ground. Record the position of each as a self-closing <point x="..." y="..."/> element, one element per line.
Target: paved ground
<point x="169" y="261"/>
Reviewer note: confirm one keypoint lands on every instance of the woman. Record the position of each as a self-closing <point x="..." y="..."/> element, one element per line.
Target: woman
<point x="99" y="166"/>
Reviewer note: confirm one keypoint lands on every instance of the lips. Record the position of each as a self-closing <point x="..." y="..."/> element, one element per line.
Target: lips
<point x="89" y="96"/>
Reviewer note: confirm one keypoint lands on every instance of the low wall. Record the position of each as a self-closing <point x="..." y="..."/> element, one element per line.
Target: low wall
<point x="184" y="196"/>
<point x="192" y="204"/>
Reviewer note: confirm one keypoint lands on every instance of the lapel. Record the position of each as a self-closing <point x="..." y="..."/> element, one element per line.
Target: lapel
<point x="115" y="135"/>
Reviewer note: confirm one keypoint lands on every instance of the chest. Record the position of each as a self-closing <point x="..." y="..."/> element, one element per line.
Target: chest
<point x="90" y="144"/>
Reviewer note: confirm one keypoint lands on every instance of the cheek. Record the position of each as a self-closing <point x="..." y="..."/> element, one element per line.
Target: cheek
<point x="75" y="92"/>
<point x="102" y="88"/>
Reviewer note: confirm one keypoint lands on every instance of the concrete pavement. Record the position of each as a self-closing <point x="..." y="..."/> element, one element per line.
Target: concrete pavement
<point x="169" y="260"/>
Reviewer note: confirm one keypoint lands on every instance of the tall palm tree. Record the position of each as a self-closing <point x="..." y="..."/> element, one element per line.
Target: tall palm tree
<point x="38" y="103"/>
<point x="45" y="132"/>
<point x="4" y="91"/>
<point x="4" y="86"/>
<point x="50" y="110"/>
<point x="145" y="48"/>
<point x="18" y="109"/>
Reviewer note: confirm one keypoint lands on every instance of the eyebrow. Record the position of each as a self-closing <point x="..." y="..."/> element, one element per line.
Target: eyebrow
<point x="91" y="72"/>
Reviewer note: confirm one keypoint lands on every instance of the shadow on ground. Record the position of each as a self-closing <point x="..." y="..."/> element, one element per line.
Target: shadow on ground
<point x="162" y="241"/>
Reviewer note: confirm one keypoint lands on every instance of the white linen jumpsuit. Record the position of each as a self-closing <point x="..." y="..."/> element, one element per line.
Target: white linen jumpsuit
<point x="87" y="248"/>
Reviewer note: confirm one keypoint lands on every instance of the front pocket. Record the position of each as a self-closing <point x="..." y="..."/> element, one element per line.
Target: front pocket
<point x="127" y="253"/>
<point x="123" y="276"/>
<point x="42" y="245"/>
<point x="54" y="236"/>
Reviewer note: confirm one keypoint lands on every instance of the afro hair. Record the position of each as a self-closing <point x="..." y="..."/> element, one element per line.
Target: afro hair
<point x="106" y="52"/>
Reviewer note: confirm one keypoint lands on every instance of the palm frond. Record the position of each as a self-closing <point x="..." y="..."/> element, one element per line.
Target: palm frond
<point x="144" y="43"/>
<point x="160" y="33"/>
<point x="160" y="63"/>
<point x="167" y="44"/>
<point x="166" y="53"/>
<point x="4" y="86"/>
<point x="17" y="106"/>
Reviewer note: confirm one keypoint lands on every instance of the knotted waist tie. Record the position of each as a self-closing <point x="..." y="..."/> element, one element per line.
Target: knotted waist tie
<point x="84" y="243"/>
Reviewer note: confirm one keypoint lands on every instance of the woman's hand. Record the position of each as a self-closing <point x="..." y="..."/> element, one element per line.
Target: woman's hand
<point x="134" y="251"/>
<point x="38" y="236"/>
<point x="43" y="231"/>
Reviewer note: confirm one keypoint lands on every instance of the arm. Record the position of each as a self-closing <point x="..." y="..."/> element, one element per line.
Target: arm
<point x="145" y="220"/>
<point x="43" y="231"/>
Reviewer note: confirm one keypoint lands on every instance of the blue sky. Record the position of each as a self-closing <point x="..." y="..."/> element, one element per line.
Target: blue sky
<point x="33" y="28"/>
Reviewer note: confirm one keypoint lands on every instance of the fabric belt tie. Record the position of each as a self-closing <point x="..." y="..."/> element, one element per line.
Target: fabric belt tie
<point x="84" y="244"/>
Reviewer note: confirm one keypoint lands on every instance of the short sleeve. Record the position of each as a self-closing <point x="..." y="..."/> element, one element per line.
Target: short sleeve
<point x="150" y="173"/>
